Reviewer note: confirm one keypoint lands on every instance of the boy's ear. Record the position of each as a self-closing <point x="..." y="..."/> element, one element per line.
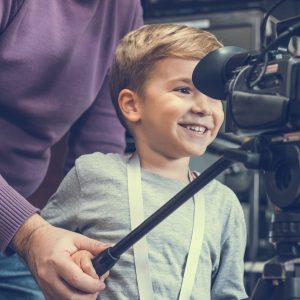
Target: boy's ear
<point x="129" y="105"/>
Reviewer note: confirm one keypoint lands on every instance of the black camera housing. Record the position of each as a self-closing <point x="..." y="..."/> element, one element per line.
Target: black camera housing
<point x="261" y="90"/>
<point x="271" y="105"/>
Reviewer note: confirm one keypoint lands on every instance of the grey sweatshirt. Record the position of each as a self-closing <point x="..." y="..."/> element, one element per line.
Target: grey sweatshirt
<point x="93" y="200"/>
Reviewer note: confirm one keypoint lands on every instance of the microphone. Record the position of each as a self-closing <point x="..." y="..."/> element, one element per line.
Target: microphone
<point x="216" y="68"/>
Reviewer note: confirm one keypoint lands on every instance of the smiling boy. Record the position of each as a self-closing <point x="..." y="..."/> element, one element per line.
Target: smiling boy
<point x="197" y="252"/>
<point x="172" y="120"/>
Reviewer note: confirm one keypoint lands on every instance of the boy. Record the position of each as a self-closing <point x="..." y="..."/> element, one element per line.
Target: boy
<point x="170" y="121"/>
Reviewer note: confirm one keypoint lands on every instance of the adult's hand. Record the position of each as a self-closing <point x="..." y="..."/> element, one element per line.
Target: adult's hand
<point x="48" y="250"/>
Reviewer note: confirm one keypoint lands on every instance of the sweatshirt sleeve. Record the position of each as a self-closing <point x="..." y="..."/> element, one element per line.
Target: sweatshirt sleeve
<point x="228" y="281"/>
<point x="99" y="129"/>
<point x="62" y="208"/>
<point x="14" y="211"/>
<point x="14" y="208"/>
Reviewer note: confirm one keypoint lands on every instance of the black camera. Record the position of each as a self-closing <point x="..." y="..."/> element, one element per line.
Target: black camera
<point x="262" y="94"/>
<point x="262" y="90"/>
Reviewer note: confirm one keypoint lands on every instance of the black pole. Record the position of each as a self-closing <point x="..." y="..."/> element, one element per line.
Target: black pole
<point x="106" y="259"/>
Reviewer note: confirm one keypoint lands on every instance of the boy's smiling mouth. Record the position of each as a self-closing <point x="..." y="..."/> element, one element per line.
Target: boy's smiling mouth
<point x="201" y="129"/>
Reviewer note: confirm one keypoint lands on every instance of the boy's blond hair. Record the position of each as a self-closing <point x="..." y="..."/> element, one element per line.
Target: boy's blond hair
<point x="139" y="51"/>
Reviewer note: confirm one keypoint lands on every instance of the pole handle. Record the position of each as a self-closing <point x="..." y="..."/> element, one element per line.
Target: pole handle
<point x="104" y="261"/>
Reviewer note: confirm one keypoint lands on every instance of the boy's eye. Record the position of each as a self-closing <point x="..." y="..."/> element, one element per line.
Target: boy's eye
<point x="183" y="90"/>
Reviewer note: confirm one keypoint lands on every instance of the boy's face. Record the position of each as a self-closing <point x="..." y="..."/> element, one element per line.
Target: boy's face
<point x="176" y="119"/>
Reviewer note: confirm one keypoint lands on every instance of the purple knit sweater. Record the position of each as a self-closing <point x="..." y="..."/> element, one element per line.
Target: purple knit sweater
<point x="54" y="59"/>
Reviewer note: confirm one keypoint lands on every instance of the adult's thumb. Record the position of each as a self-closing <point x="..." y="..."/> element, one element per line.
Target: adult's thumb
<point x="91" y="245"/>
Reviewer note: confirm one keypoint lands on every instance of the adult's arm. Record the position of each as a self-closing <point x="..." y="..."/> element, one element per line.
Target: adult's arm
<point x="14" y="211"/>
<point x="46" y="249"/>
<point x="14" y="208"/>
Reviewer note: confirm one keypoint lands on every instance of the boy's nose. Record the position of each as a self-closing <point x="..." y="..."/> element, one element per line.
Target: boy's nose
<point x="202" y="105"/>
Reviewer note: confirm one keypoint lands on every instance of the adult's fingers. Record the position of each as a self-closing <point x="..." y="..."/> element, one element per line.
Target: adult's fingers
<point x="104" y="276"/>
<point x="75" y="277"/>
<point x="85" y="243"/>
<point x="87" y="266"/>
<point x="49" y="256"/>
<point x="63" y="291"/>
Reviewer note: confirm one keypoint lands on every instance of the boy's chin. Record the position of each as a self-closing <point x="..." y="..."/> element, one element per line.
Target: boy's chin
<point x="198" y="152"/>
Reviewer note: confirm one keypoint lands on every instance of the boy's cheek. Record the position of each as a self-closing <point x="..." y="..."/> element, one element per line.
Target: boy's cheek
<point x="220" y="116"/>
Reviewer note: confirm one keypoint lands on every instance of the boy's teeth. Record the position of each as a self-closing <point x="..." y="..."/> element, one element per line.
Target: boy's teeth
<point x="196" y="128"/>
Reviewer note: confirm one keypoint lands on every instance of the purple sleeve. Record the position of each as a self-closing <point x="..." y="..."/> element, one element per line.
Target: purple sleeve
<point x="14" y="211"/>
<point x="99" y="129"/>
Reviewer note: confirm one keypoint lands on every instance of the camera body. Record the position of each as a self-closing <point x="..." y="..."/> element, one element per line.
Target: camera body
<point x="270" y="106"/>
<point x="261" y="90"/>
<point x="254" y="106"/>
